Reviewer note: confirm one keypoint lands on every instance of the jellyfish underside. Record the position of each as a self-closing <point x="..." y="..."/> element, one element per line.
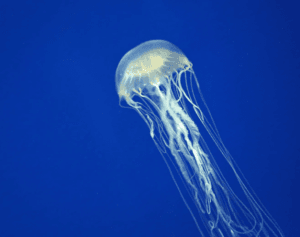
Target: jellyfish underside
<point x="157" y="80"/>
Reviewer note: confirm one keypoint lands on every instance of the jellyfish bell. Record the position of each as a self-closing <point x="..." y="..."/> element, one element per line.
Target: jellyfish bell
<point x="158" y="81"/>
<point x="148" y="66"/>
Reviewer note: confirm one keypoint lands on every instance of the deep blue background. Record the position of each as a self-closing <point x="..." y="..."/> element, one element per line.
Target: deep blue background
<point x="74" y="163"/>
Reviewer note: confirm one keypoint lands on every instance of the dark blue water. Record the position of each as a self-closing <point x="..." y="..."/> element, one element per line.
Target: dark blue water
<point x="74" y="163"/>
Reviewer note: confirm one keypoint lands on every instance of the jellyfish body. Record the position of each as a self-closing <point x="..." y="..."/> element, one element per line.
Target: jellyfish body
<point x="157" y="80"/>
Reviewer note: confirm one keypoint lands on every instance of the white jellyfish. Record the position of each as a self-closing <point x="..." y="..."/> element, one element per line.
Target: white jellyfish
<point x="158" y="81"/>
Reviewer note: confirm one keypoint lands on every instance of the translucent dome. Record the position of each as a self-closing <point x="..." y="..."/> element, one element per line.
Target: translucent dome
<point x="146" y="64"/>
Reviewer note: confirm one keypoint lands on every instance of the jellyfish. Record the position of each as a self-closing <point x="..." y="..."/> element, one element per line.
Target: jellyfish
<point x="158" y="81"/>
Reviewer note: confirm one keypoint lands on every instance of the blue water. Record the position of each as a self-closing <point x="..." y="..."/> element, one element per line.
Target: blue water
<point x="74" y="163"/>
